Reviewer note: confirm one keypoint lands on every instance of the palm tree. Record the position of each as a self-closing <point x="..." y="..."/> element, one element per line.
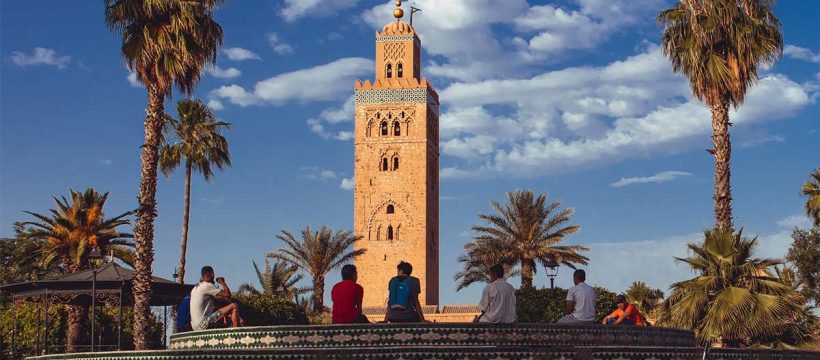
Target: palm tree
<point x="195" y="140"/>
<point x="166" y="43"/>
<point x="811" y="189"/>
<point x="644" y="297"/>
<point x="67" y="236"/>
<point x="479" y="256"/>
<point x="735" y="300"/>
<point x="718" y="45"/>
<point x="277" y="274"/>
<point x="526" y="232"/>
<point x="318" y="253"/>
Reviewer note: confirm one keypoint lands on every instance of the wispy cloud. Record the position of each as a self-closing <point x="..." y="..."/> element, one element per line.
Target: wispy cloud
<point x="213" y="200"/>
<point x="798" y="220"/>
<point x="105" y="162"/>
<point x="665" y="176"/>
<point x="221" y="73"/>
<point x="763" y="140"/>
<point x="800" y="53"/>
<point x="297" y="9"/>
<point x="316" y="173"/>
<point x="347" y="184"/>
<point x="132" y="79"/>
<point x="279" y="45"/>
<point x="240" y="54"/>
<point x="40" y="56"/>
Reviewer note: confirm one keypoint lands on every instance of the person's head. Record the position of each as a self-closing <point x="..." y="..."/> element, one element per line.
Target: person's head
<point x="496" y="272"/>
<point x="404" y="269"/>
<point x="349" y="273"/>
<point x="579" y="276"/>
<point x="621" y="302"/>
<point x="207" y="274"/>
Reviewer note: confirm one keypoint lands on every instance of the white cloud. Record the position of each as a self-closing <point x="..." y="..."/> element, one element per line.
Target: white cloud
<point x="347" y="184"/>
<point x="132" y="79"/>
<point x="221" y="73"/>
<point x="40" y="56"/>
<point x="105" y="162"/>
<point x="215" y="104"/>
<point x="332" y="81"/>
<point x="660" y="177"/>
<point x="333" y="116"/>
<point x="582" y="117"/>
<point x="240" y="54"/>
<point x="762" y="140"/>
<point x="798" y="220"/>
<point x="297" y="9"/>
<point x="800" y="53"/>
<point x="279" y="45"/>
<point x="316" y="173"/>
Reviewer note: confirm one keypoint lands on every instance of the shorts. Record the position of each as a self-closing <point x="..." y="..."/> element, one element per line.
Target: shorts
<point x="208" y="320"/>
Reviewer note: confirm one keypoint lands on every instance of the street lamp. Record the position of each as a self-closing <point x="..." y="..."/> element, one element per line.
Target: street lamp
<point x="280" y="291"/>
<point x="552" y="270"/>
<point x="93" y="260"/>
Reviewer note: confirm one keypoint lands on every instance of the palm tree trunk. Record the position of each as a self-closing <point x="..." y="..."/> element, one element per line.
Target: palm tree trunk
<point x="77" y="314"/>
<point x="146" y="213"/>
<point x="185" y="215"/>
<point x="318" y="293"/>
<point x="527" y="271"/>
<point x="723" y="154"/>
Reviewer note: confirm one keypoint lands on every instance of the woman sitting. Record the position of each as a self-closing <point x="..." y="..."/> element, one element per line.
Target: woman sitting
<point x="624" y="314"/>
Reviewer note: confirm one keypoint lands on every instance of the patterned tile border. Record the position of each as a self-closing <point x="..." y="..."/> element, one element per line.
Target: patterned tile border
<point x="429" y="335"/>
<point x="385" y="96"/>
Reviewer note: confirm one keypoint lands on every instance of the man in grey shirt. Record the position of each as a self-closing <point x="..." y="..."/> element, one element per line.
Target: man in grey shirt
<point x="498" y="300"/>
<point x="580" y="301"/>
<point x="203" y="314"/>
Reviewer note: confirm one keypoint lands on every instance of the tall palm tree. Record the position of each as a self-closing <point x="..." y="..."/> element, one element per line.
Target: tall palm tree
<point x="195" y="140"/>
<point x="735" y="299"/>
<point x="811" y="189"/>
<point x="527" y="231"/>
<point x="67" y="236"/>
<point x="166" y="43"/>
<point x="318" y="253"/>
<point x="644" y="297"/>
<point x="277" y="274"/>
<point x="479" y="256"/>
<point x="718" y="45"/>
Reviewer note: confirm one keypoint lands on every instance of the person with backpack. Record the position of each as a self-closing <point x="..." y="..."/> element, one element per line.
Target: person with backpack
<point x="403" y="303"/>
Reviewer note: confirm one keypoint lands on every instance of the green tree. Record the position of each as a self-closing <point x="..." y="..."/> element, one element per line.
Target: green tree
<point x="644" y="297"/>
<point x="718" y="45"/>
<point x="165" y="43"/>
<point x="811" y="189"/>
<point x="804" y="256"/>
<point x="276" y="274"/>
<point x="66" y="237"/>
<point x="196" y="142"/>
<point x="318" y="253"/>
<point x="478" y="257"/>
<point x="524" y="231"/>
<point x="735" y="300"/>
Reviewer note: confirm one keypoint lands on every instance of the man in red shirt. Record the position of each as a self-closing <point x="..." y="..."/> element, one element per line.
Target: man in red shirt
<point x="347" y="299"/>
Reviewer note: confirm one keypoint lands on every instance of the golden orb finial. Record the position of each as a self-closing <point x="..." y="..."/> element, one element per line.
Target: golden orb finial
<point x="398" y="13"/>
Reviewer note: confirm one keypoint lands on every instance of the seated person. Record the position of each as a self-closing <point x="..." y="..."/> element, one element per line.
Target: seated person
<point x="347" y="298"/>
<point x="624" y="314"/>
<point x="184" y="315"/>
<point x="403" y="303"/>
<point x="580" y="301"/>
<point x="203" y="314"/>
<point x="498" y="299"/>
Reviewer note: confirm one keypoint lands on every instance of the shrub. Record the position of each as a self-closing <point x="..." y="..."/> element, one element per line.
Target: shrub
<point x="260" y="310"/>
<point x="548" y="305"/>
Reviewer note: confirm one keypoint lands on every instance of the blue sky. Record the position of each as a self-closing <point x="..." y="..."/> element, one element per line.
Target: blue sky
<point x="571" y="98"/>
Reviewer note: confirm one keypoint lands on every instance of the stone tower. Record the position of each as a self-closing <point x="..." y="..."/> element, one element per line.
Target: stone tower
<point x="396" y="201"/>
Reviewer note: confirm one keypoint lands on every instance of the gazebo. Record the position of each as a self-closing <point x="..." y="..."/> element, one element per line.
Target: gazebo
<point x="113" y="286"/>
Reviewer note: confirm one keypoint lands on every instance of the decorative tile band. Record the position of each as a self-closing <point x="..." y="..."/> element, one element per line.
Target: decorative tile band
<point x="392" y="38"/>
<point x="429" y="335"/>
<point x="394" y="96"/>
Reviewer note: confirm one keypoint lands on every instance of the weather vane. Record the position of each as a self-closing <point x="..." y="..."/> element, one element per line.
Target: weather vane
<point x="413" y="10"/>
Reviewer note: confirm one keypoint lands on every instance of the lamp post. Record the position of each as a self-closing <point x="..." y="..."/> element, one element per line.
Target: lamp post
<point x="552" y="270"/>
<point x="280" y="291"/>
<point x="93" y="259"/>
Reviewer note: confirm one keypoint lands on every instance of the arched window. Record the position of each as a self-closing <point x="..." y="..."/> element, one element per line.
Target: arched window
<point x="390" y="232"/>
<point x="399" y="70"/>
<point x="395" y="163"/>
<point x="396" y="129"/>
<point x="384" y="128"/>
<point x="389" y="70"/>
<point x="384" y="164"/>
<point x="390" y="209"/>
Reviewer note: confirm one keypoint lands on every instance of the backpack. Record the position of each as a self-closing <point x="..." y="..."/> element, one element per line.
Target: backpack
<point x="184" y="315"/>
<point x="399" y="293"/>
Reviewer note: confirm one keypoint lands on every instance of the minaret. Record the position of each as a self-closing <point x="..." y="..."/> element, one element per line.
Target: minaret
<point x="396" y="190"/>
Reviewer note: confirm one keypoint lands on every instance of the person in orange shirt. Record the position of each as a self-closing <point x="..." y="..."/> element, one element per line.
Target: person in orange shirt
<point x="624" y="314"/>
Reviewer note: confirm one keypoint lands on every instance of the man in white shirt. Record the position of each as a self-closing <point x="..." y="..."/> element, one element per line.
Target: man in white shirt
<point x="498" y="300"/>
<point x="580" y="301"/>
<point x="203" y="314"/>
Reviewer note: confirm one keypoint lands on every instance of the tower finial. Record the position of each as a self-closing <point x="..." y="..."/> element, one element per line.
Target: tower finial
<point x="398" y="13"/>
